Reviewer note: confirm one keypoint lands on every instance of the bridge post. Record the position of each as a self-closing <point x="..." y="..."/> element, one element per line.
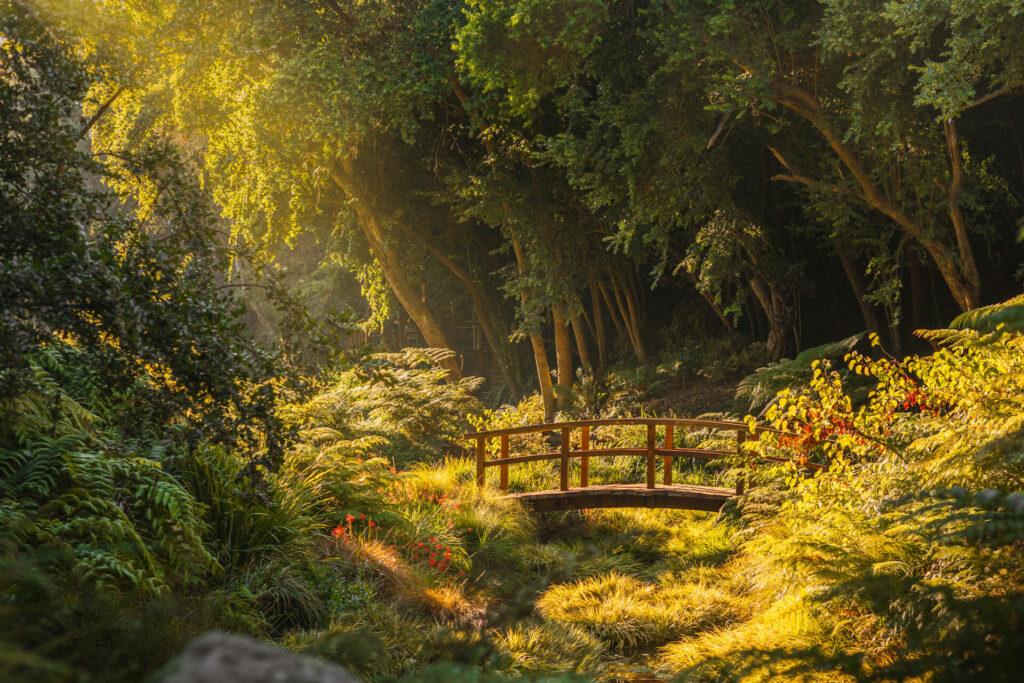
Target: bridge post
<point x="563" y="470"/>
<point x="652" y="431"/>
<point x="504" y="466"/>
<point x="669" y="444"/>
<point x="741" y="436"/>
<point x="481" y="452"/>
<point x="585" y="459"/>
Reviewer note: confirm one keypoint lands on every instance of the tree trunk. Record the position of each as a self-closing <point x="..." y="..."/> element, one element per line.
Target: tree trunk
<point x="540" y="356"/>
<point x="480" y="308"/>
<point x="961" y="278"/>
<point x="627" y="307"/>
<point x="387" y="256"/>
<point x="856" y="280"/>
<point x="580" y="332"/>
<point x="600" y="333"/>
<point x="956" y="215"/>
<point x="563" y="354"/>
<point x="613" y="312"/>
<point x="779" y="317"/>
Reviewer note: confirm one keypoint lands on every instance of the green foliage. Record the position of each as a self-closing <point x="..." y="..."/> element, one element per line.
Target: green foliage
<point x="903" y="556"/>
<point x="758" y="389"/>
<point x="1007" y="316"/>
<point x="397" y="405"/>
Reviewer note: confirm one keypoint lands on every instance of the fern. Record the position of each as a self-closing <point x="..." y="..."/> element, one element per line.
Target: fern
<point x="1007" y="316"/>
<point x="759" y="388"/>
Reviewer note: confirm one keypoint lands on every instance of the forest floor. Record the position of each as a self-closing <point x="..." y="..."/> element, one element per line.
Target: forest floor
<point x="695" y="397"/>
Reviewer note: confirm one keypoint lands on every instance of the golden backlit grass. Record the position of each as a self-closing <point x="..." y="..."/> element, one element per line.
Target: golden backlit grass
<point x="630" y="614"/>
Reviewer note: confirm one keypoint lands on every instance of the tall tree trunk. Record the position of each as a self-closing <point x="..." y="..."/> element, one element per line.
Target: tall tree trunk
<point x="480" y="308"/>
<point x="959" y="271"/>
<point x="779" y="316"/>
<point x="600" y="333"/>
<point x="856" y="280"/>
<point x="540" y="356"/>
<point x="613" y="312"/>
<point x="343" y="175"/>
<point x="580" y="332"/>
<point x="536" y="343"/>
<point x="956" y="214"/>
<point x="628" y="309"/>
<point x="563" y="353"/>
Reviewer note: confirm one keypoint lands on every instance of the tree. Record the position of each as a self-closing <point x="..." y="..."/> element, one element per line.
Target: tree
<point x="132" y="283"/>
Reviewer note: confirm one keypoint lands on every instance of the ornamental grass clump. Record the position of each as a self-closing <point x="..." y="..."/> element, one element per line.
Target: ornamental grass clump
<point x="629" y="614"/>
<point x="550" y="646"/>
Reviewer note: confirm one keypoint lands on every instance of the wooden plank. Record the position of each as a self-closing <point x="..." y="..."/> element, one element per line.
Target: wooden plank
<point x="669" y="444"/>
<point x="652" y="434"/>
<point x="741" y="482"/>
<point x="481" y="473"/>
<point x="563" y="470"/>
<point x="584" y="459"/>
<point x="504" y="466"/>
<point x="707" y="498"/>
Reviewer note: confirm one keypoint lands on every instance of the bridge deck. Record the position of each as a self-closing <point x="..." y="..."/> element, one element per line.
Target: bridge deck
<point x="680" y="496"/>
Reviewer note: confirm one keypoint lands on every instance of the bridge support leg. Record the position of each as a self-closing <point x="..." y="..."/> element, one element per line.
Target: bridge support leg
<point x="669" y="444"/>
<point x="563" y="470"/>
<point x="651" y="436"/>
<point x="742" y="480"/>
<point x="584" y="459"/>
<point x="504" y="466"/>
<point x="481" y="453"/>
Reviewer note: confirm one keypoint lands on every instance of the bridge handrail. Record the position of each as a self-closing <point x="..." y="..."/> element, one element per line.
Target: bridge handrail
<point x="668" y="452"/>
<point x="723" y="425"/>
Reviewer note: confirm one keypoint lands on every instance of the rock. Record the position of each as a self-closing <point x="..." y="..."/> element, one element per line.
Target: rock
<point x="225" y="658"/>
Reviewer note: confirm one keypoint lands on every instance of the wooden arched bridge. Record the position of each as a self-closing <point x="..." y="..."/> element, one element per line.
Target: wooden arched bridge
<point x="652" y="493"/>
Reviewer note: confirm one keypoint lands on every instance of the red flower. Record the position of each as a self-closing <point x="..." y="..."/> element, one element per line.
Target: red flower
<point x="373" y="523"/>
<point x="349" y="518"/>
<point x="362" y="516"/>
<point x="338" y="531"/>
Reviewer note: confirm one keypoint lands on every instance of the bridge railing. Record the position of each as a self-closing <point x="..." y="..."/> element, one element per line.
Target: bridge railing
<point x="666" y="450"/>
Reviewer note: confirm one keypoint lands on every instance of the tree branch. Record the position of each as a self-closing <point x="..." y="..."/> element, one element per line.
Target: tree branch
<point x="99" y="112"/>
<point x="347" y="19"/>
<point x="992" y="95"/>
<point x="794" y="177"/>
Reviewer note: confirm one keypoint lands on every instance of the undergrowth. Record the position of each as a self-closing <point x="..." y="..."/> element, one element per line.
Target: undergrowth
<point x="902" y="559"/>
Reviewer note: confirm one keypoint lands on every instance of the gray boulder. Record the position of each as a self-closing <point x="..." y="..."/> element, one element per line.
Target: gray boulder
<point x="225" y="658"/>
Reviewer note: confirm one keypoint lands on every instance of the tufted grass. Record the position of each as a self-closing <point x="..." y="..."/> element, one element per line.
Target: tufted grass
<point x="630" y="614"/>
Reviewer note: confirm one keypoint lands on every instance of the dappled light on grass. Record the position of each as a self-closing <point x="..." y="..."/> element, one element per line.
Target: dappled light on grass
<point x="630" y="614"/>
